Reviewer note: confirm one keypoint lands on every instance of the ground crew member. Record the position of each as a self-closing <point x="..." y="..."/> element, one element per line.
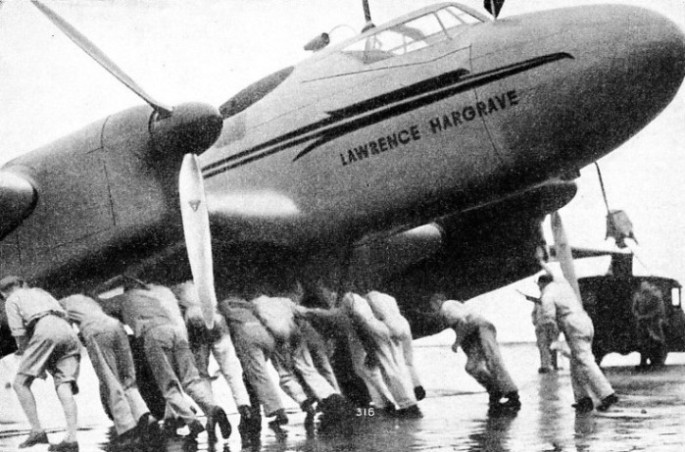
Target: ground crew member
<point x="110" y="353"/>
<point x="546" y="333"/>
<point x="339" y="322"/>
<point x="166" y="348"/>
<point x="319" y="351"/>
<point x="254" y="346"/>
<point x="650" y="315"/>
<point x="46" y="342"/>
<point x="299" y="377"/>
<point x="218" y="341"/>
<point x="386" y="310"/>
<point x="387" y="356"/>
<point x="477" y="336"/>
<point x="559" y="300"/>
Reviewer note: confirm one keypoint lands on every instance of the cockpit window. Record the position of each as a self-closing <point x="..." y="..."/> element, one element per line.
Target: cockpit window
<point x="452" y="18"/>
<point x="409" y="36"/>
<point x="254" y="92"/>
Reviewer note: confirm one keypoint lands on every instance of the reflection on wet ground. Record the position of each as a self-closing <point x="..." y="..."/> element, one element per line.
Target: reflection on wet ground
<point x="650" y="416"/>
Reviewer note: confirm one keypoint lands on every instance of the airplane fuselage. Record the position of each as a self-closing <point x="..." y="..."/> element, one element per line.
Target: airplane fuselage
<point x="357" y="139"/>
<point x="492" y="108"/>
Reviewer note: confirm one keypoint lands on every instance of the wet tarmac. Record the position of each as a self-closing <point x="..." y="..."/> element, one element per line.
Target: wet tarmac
<point x="649" y="417"/>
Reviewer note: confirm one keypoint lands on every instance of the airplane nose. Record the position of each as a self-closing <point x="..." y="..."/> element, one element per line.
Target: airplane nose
<point x="628" y="64"/>
<point x="615" y="68"/>
<point x="648" y="58"/>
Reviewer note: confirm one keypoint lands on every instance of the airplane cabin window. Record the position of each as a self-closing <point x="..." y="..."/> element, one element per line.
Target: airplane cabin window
<point x="254" y="92"/>
<point x="452" y="18"/>
<point x="410" y="36"/>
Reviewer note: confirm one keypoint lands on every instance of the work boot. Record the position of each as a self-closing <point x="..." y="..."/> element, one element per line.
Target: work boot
<point x="171" y="426"/>
<point x="411" y="412"/>
<point x="148" y="428"/>
<point x="389" y="410"/>
<point x="275" y="425"/>
<point x="34" y="438"/>
<point x="308" y="407"/>
<point x="64" y="446"/>
<point x="607" y="401"/>
<point x="419" y="393"/>
<point x="128" y="440"/>
<point x="195" y="428"/>
<point x="513" y="402"/>
<point x="494" y="398"/>
<point x="584" y="405"/>
<point x="245" y="426"/>
<point x="217" y="415"/>
<point x="336" y="413"/>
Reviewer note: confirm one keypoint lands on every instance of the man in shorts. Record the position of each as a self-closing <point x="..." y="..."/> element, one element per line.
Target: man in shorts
<point x="46" y="342"/>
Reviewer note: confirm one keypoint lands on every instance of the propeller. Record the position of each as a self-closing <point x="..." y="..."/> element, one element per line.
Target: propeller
<point x="198" y="240"/>
<point x="188" y="128"/>
<point x="564" y="252"/>
<point x="103" y="60"/>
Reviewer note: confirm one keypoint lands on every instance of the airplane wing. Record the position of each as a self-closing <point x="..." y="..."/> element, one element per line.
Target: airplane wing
<point x="17" y="200"/>
<point x="482" y="249"/>
<point x="621" y="261"/>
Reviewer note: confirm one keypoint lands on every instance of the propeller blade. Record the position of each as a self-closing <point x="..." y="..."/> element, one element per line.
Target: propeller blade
<point x="101" y="58"/>
<point x="564" y="253"/>
<point x="197" y="235"/>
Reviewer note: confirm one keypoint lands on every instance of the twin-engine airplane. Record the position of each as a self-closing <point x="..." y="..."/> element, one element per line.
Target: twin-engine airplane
<point x="419" y="156"/>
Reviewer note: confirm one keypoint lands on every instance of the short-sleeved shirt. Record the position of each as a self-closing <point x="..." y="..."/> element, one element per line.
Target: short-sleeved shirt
<point x="141" y="309"/>
<point x="85" y="311"/>
<point x="169" y="303"/>
<point x="25" y="305"/>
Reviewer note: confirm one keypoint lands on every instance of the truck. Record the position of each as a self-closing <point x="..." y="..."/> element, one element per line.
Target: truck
<point x="608" y="300"/>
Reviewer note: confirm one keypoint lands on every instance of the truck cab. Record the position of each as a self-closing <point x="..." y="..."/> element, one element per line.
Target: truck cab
<point x="608" y="299"/>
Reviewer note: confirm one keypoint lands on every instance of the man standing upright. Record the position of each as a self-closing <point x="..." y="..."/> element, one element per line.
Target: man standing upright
<point x="46" y="342"/>
<point x="559" y="300"/>
<point x="650" y="316"/>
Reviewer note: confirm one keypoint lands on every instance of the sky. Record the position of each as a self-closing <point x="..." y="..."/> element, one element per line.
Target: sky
<point x="207" y="50"/>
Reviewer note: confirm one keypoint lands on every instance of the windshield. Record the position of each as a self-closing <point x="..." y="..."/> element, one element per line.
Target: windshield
<point x="412" y="35"/>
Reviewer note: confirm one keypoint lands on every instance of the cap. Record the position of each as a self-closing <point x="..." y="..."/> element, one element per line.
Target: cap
<point x="8" y="282"/>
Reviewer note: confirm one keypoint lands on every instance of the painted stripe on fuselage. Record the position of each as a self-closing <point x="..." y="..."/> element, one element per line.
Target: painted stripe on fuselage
<point x="356" y="116"/>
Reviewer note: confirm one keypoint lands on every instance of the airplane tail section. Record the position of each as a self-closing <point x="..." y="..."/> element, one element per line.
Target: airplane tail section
<point x="17" y="200"/>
